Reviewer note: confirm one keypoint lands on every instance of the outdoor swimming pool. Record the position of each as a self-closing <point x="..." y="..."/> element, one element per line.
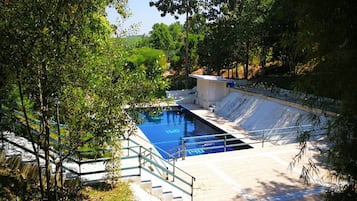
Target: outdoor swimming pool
<point x="167" y="129"/>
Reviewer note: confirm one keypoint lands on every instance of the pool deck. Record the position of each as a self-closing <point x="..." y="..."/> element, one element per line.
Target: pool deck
<point x="252" y="174"/>
<point x="223" y="124"/>
<point x="260" y="173"/>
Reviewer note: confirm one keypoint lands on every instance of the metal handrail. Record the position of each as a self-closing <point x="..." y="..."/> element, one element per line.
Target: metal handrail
<point x="178" y="176"/>
<point x="262" y="136"/>
<point x="40" y="155"/>
<point x="259" y="135"/>
<point x="170" y="156"/>
<point x="144" y="155"/>
<point x="51" y="138"/>
<point x="137" y="144"/>
<point x="142" y="158"/>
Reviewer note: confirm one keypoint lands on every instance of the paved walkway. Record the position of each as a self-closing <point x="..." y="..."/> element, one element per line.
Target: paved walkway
<point x="251" y="174"/>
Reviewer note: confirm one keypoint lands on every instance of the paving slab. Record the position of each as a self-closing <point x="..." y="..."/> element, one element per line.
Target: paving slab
<point x="254" y="174"/>
<point x="264" y="172"/>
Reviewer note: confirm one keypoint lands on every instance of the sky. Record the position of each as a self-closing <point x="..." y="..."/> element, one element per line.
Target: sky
<point x="143" y="16"/>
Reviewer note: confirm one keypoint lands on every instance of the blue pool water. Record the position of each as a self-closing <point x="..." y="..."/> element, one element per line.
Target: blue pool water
<point x="166" y="129"/>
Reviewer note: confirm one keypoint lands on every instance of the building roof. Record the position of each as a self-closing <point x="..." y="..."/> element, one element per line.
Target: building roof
<point x="209" y="77"/>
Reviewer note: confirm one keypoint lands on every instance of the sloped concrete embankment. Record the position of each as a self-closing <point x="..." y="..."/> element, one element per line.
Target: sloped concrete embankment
<point x="258" y="113"/>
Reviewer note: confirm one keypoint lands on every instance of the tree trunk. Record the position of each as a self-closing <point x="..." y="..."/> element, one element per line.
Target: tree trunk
<point x="237" y="65"/>
<point x="263" y="56"/>
<point x="45" y="130"/>
<point x="28" y="129"/>
<point x="292" y="64"/>
<point x="1" y="131"/>
<point x="58" y="165"/>
<point x="187" y="65"/>
<point x="246" y="60"/>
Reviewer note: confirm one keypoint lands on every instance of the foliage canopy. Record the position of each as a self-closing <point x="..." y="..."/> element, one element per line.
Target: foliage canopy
<point x="60" y="53"/>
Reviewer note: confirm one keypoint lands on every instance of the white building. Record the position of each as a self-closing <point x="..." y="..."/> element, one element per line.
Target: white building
<point x="210" y="89"/>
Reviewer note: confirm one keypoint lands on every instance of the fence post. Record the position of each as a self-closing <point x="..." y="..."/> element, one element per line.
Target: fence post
<point x="173" y="171"/>
<point x="139" y="157"/>
<point x="79" y="166"/>
<point x="225" y="143"/>
<point x="150" y="152"/>
<point x="263" y="139"/>
<point x="128" y="146"/>
<point x="183" y="149"/>
<point x="192" y="180"/>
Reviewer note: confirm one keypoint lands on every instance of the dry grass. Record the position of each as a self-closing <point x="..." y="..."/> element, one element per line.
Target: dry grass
<point x="253" y="71"/>
<point x="121" y="192"/>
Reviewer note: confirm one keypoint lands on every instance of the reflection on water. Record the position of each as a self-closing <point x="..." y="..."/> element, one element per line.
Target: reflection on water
<point x="166" y="129"/>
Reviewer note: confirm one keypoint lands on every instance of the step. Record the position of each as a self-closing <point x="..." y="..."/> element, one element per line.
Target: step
<point x="146" y="185"/>
<point x="2" y="157"/>
<point x="156" y="191"/>
<point x="29" y="161"/>
<point x="14" y="161"/>
<point x="167" y="196"/>
<point x="131" y="179"/>
<point x="12" y="153"/>
<point x="177" y="198"/>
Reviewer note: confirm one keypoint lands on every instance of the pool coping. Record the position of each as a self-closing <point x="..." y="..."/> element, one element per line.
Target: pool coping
<point x="218" y="182"/>
<point x="224" y="124"/>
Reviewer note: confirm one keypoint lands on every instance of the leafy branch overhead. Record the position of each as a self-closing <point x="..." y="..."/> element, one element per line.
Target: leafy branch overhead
<point x="61" y="54"/>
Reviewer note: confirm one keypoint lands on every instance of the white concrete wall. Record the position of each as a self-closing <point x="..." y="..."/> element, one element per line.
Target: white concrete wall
<point x="220" y="90"/>
<point x="252" y="112"/>
<point x="210" y="92"/>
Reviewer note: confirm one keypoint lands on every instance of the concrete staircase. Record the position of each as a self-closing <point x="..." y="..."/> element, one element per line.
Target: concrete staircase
<point x="28" y="170"/>
<point x="158" y="191"/>
<point x="19" y="158"/>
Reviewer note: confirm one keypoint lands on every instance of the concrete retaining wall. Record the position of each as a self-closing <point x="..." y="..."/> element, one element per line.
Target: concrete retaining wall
<point x="256" y="113"/>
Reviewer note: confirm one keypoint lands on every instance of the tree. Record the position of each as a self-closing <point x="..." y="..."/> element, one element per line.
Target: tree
<point x="38" y="46"/>
<point x="177" y="33"/>
<point x="281" y="35"/>
<point x="237" y="27"/>
<point x="180" y="7"/>
<point x="327" y="33"/>
<point x="152" y="62"/>
<point x="216" y="49"/>
<point x="63" y="50"/>
<point x="161" y="38"/>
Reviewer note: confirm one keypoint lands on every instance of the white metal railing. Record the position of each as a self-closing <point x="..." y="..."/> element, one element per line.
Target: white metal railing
<point x="226" y="141"/>
<point x="167" y="171"/>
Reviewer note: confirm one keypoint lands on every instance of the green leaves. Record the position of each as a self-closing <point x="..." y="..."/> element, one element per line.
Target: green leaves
<point x="160" y="37"/>
<point x="63" y="49"/>
<point x="175" y="7"/>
